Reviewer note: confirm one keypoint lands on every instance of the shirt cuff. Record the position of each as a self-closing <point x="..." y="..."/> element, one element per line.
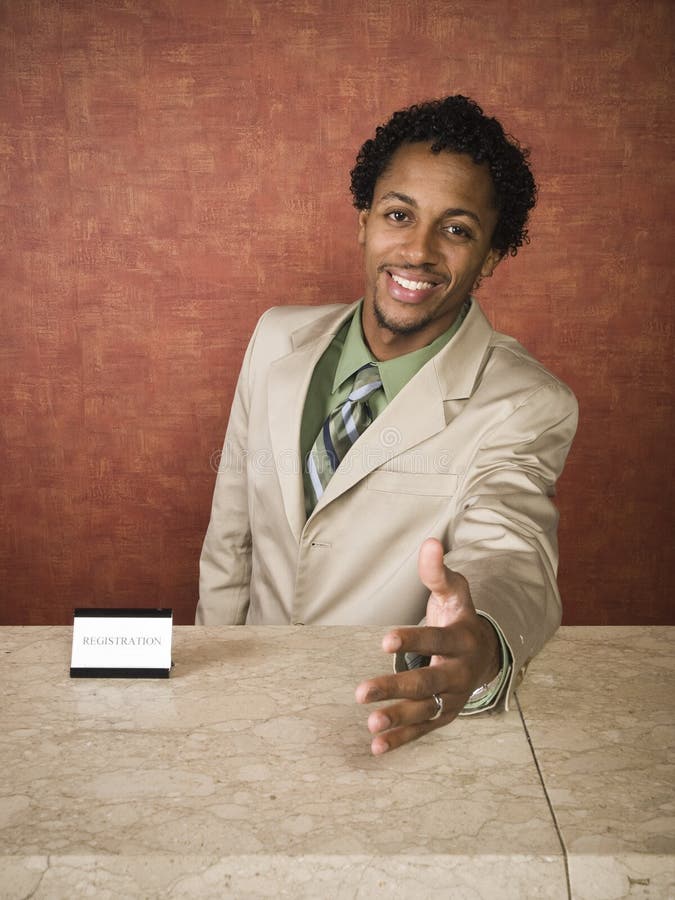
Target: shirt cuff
<point x="487" y="696"/>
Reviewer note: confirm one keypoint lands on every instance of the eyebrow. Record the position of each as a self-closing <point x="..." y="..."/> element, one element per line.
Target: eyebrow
<point x="453" y="211"/>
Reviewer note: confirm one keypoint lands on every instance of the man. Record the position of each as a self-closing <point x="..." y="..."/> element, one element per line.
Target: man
<point x="396" y="457"/>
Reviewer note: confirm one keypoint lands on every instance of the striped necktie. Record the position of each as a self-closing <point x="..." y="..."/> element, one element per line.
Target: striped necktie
<point x="343" y="427"/>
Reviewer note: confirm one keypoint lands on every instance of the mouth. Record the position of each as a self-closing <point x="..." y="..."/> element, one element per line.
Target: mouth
<point x="408" y="289"/>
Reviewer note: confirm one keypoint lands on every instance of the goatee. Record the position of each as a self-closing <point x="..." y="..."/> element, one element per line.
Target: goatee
<point x="395" y="327"/>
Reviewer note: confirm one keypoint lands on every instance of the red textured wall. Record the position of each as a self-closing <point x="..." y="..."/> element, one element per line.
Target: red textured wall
<point x="169" y="169"/>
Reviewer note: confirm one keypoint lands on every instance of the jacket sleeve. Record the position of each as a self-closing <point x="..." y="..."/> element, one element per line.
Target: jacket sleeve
<point x="225" y="563"/>
<point x="504" y="535"/>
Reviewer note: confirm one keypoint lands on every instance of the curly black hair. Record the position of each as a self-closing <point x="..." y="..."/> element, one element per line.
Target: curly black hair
<point x="456" y="124"/>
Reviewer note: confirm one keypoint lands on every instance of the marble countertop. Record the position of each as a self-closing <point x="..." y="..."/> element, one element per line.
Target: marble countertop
<point x="248" y="774"/>
<point x="599" y="707"/>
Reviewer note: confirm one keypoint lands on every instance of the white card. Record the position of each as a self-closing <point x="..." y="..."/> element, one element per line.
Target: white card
<point x="121" y="642"/>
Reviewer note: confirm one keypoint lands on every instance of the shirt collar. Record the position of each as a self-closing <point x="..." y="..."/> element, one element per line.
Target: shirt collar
<point x="395" y="373"/>
<point x="355" y="354"/>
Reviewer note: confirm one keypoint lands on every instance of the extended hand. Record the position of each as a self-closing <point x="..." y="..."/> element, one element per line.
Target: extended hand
<point x="464" y="652"/>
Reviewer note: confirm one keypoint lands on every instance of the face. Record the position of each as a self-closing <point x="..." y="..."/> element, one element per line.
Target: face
<point x="427" y="240"/>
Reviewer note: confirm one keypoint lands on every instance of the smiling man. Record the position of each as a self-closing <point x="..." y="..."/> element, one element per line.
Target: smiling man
<point x="423" y="257"/>
<point x="393" y="461"/>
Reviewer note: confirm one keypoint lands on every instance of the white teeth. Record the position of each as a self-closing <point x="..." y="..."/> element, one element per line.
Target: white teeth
<point x="412" y="285"/>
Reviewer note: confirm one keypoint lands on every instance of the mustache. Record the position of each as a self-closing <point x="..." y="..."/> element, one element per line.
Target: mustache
<point x="423" y="269"/>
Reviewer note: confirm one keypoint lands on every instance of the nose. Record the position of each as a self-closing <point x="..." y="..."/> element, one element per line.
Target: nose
<point x="420" y="247"/>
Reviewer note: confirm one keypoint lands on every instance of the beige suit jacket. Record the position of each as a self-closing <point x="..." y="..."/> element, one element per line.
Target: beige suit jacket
<point x="468" y="452"/>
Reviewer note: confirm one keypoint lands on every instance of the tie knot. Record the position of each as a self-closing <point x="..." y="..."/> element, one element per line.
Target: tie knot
<point x="366" y="380"/>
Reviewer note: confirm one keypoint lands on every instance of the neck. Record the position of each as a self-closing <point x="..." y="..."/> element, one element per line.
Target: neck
<point x="386" y="343"/>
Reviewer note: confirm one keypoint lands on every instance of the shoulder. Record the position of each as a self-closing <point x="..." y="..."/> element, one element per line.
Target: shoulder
<point x="522" y="384"/>
<point x="282" y="330"/>
<point x="509" y="355"/>
<point x="491" y="367"/>
<point x="291" y="318"/>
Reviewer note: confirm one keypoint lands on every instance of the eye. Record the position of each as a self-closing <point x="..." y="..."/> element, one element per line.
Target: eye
<point x="397" y="215"/>
<point x="456" y="230"/>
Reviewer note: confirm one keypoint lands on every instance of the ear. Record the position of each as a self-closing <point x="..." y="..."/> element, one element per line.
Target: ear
<point x="490" y="263"/>
<point x="363" y="220"/>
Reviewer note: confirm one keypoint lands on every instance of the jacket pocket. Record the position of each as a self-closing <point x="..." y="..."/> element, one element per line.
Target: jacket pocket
<point x="433" y="484"/>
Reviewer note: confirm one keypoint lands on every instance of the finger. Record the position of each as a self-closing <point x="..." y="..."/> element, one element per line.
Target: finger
<point x="450" y="597"/>
<point x="429" y="640"/>
<point x="410" y="712"/>
<point x="431" y="568"/>
<point x="417" y="684"/>
<point x="413" y="712"/>
<point x="390" y="740"/>
<point x="396" y="737"/>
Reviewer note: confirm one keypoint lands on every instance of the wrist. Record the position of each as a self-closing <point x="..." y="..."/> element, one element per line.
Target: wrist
<point x="492" y="655"/>
<point x="488" y="693"/>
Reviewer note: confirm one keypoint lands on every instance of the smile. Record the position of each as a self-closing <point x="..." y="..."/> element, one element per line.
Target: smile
<point x="408" y="290"/>
<point x="413" y="285"/>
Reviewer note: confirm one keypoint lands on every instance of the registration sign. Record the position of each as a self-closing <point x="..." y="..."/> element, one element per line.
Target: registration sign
<point x="121" y="643"/>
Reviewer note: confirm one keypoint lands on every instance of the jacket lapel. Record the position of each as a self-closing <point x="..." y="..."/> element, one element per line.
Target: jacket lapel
<point x="403" y="424"/>
<point x="460" y="363"/>
<point x="288" y="384"/>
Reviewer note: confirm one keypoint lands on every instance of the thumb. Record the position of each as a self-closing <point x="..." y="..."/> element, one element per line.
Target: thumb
<point x="432" y="571"/>
<point x="449" y="590"/>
